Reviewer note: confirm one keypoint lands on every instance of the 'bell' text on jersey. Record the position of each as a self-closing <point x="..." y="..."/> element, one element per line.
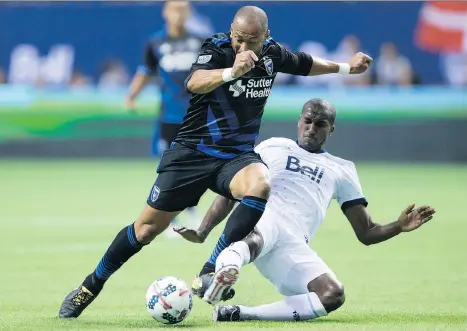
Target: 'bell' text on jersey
<point x="172" y="58"/>
<point x="226" y="121"/>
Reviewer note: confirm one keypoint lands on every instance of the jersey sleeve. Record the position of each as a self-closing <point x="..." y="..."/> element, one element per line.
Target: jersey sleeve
<point x="209" y="57"/>
<point x="150" y="61"/>
<point x="295" y="63"/>
<point x="349" y="191"/>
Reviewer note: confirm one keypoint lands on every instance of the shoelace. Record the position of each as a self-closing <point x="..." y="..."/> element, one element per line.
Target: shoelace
<point x="81" y="298"/>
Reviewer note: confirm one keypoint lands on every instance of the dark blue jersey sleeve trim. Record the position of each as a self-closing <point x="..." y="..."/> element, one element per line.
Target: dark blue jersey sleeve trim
<point x="350" y="203"/>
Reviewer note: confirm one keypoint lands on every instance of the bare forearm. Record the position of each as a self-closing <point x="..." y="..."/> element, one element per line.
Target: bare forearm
<point x="205" y="81"/>
<point x="379" y="233"/>
<point x="137" y="84"/>
<point x="323" y="67"/>
<point x="220" y="208"/>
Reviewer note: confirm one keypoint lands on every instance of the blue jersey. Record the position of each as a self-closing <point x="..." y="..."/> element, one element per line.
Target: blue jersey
<point x="226" y="121"/>
<point x="172" y="59"/>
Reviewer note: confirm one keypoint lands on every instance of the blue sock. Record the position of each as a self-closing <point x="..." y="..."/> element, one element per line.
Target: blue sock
<point x="122" y="248"/>
<point x="240" y="223"/>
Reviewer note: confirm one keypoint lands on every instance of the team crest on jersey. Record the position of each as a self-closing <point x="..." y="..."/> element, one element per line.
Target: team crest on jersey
<point x="269" y="66"/>
<point x="204" y="59"/>
<point x="155" y="193"/>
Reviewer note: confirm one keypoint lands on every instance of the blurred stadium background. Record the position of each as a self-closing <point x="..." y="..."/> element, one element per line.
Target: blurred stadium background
<point x="75" y="165"/>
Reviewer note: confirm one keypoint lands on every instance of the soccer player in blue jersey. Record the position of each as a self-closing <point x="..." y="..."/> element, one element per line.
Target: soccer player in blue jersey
<point x="214" y="147"/>
<point x="170" y="53"/>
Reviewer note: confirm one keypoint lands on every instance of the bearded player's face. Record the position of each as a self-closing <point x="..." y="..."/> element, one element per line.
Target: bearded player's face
<point x="248" y="36"/>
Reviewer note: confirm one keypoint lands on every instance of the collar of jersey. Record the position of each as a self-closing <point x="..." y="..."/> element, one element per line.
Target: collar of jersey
<point x="319" y="151"/>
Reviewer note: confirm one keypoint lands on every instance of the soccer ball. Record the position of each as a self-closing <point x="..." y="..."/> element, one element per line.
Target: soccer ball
<point x="169" y="300"/>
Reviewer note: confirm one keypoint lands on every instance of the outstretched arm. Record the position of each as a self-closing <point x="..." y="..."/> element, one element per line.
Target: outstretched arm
<point x="370" y="233"/>
<point x="219" y="210"/>
<point x="303" y="64"/>
<point x="358" y="64"/>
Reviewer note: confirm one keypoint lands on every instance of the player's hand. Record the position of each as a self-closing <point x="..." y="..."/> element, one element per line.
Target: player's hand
<point x="130" y="104"/>
<point x="190" y="235"/>
<point x="359" y="63"/>
<point x="244" y="62"/>
<point x="412" y="218"/>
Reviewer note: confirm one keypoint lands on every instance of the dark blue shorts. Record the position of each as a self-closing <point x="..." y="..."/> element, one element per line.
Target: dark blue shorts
<point x="185" y="174"/>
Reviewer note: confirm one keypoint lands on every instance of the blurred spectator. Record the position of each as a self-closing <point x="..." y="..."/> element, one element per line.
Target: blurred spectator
<point x="2" y="76"/>
<point x="57" y="66"/>
<point x="391" y="68"/>
<point x="24" y="65"/>
<point x="454" y="67"/>
<point x="79" y="79"/>
<point x="348" y="47"/>
<point x="114" y="74"/>
<point x="319" y="50"/>
<point x="27" y="66"/>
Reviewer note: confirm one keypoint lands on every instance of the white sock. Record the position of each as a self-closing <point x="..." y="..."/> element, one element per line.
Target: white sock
<point x="236" y="254"/>
<point x="300" y="307"/>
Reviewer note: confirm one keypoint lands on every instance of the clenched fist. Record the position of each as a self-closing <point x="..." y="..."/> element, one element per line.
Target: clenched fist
<point x="244" y="62"/>
<point x="359" y="63"/>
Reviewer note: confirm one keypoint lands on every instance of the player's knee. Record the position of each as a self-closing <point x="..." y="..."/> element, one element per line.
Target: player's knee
<point x="151" y="223"/>
<point x="255" y="244"/>
<point x="332" y="297"/>
<point x="146" y="232"/>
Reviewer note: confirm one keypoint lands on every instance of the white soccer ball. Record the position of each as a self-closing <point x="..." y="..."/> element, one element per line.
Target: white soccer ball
<point x="169" y="300"/>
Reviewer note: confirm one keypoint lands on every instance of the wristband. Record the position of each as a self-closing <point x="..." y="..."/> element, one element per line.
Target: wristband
<point x="227" y="75"/>
<point x="344" y="68"/>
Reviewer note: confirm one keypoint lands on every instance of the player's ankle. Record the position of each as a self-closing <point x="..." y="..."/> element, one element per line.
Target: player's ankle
<point x="207" y="269"/>
<point x="93" y="284"/>
<point x="238" y="254"/>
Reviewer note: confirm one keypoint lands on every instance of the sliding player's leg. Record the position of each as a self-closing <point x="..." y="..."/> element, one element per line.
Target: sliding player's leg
<point x="311" y="288"/>
<point x="245" y="179"/>
<point x="260" y="242"/>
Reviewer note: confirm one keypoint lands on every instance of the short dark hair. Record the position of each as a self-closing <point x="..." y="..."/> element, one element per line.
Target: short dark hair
<point x="321" y="106"/>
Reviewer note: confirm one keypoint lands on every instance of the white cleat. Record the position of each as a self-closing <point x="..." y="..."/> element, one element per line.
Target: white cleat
<point x="224" y="278"/>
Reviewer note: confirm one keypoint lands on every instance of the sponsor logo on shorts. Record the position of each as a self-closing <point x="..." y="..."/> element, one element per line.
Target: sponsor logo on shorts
<point x="155" y="193"/>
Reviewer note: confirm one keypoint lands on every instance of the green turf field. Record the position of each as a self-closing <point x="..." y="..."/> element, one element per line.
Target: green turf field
<point x="57" y="218"/>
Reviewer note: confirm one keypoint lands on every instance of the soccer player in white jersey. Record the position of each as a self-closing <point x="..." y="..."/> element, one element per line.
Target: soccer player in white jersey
<point x="304" y="180"/>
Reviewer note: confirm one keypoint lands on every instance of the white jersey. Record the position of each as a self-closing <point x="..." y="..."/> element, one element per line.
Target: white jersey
<point x="303" y="184"/>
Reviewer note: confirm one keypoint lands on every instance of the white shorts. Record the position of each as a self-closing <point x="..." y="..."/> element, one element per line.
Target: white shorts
<point x="286" y="259"/>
